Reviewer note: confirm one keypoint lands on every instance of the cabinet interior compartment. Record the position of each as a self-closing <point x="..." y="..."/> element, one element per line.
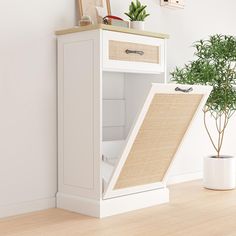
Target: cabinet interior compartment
<point x="123" y="96"/>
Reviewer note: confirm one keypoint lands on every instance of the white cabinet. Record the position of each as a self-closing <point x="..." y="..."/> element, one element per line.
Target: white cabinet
<point x="120" y="125"/>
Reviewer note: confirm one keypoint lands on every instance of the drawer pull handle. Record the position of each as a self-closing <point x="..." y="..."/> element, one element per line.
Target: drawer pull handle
<point x="141" y="53"/>
<point x="177" y="89"/>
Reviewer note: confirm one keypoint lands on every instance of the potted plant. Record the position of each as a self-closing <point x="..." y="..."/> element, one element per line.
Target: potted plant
<point x="215" y="65"/>
<point x="137" y="14"/>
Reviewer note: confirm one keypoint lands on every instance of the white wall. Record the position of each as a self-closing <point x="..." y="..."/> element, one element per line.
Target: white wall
<point x="28" y="89"/>
<point x="28" y="102"/>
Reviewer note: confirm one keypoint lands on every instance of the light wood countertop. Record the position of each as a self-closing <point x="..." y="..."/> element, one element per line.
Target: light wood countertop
<point x="111" y="28"/>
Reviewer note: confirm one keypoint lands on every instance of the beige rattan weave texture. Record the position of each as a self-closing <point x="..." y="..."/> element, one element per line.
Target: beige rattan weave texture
<point x="161" y="133"/>
<point x="117" y="51"/>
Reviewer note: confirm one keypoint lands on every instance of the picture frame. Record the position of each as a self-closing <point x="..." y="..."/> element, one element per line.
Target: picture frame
<point x="108" y="2"/>
<point x="91" y="7"/>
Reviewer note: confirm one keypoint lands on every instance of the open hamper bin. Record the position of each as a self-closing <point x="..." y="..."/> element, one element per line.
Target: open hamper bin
<point x="134" y="171"/>
<point x="141" y="163"/>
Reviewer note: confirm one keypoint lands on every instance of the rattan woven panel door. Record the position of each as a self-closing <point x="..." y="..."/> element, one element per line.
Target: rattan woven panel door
<point x="156" y="137"/>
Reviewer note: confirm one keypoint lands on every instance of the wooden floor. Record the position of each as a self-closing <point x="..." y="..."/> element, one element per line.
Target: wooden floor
<point x="193" y="211"/>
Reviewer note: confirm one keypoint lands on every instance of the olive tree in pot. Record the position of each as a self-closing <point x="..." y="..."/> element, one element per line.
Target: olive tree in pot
<point x="215" y="65"/>
<point x="137" y="14"/>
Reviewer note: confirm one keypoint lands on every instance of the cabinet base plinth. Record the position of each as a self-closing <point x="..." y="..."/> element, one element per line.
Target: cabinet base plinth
<point x="113" y="206"/>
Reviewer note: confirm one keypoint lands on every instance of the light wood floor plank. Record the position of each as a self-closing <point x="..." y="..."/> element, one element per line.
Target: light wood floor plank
<point x="193" y="211"/>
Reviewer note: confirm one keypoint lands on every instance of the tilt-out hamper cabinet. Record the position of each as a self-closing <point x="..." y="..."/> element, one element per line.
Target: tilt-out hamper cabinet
<point x="120" y="124"/>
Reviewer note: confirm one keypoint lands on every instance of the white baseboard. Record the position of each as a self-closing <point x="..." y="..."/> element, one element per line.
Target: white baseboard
<point x="119" y="205"/>
<point x="184" y="178"/>
<point x="113" y="206"/>
<point x="78" y="204"/>
<point x="26" y="207"/>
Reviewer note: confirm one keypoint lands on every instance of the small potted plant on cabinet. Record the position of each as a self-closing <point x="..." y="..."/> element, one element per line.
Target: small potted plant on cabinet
<point x="215" y="65"/>
<point x="137" y="14"/>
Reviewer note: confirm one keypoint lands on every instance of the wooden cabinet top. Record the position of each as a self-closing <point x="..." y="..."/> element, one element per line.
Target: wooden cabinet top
<point x="111" y="28"/>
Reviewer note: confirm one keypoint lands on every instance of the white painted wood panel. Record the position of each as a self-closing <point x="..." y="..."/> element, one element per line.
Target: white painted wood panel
<point x="113" y="113"/>
<point x="78" y="114"/>
<point x="113" y="206"/>
<point x="113" y="105"/>
<point x="113" y="149"/>
<point x="113" y="133"/>
<point x="113" y="85"/>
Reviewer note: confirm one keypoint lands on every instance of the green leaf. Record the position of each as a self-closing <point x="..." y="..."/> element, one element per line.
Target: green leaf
<point x="213" y="65"/>
<point x="130" y="16"/>
<point x="133" y="6"/>
<point x="137" y="11"/>
<point x="138" y="4"/>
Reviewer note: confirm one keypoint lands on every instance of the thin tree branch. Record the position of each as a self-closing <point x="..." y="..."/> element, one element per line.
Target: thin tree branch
<point x="208" y="132"/>
<point x="223" y="133"/>
<point x="219" y="136"/>
<point x="217" y="126"/>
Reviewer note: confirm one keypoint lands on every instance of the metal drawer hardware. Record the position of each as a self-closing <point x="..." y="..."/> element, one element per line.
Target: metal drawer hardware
<point x="184" y="90"/>
<point x="141" y="53"/>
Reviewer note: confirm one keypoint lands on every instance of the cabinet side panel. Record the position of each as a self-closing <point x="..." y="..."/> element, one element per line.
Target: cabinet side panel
<point x="78" y="114"/>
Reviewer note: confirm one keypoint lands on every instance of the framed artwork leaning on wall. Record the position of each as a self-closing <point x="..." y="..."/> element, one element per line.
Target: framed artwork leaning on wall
<point x="93" y="8"/>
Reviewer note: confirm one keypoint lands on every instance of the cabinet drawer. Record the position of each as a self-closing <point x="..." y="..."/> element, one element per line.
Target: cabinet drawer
<point x="133" y="53"/>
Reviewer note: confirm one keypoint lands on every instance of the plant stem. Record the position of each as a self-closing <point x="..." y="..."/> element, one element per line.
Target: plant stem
<point x="208" y="132"/>
<point x="223" y="131"/>
<point x="219" y="136"/>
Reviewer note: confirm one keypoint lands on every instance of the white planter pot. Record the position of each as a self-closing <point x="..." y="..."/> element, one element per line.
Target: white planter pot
<point x="139" y="25"/>
<point x="219" y="173"/>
